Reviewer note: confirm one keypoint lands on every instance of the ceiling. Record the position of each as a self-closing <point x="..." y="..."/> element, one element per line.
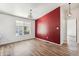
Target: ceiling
<point x="22" y="9"/>
<point x="72" y="5"/>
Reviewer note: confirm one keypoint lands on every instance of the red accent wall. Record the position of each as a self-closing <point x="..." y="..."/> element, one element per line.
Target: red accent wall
<point x="45" y="26"/>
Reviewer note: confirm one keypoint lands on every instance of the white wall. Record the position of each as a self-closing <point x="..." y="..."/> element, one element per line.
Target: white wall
<point x="71" y="26"/>
<point x="8" y="29"/>
<point x="75" y="13"/>
<point x="62" y="25"/>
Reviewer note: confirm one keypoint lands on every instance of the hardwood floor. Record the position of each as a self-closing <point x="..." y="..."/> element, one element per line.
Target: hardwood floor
<point x="36" y="48"/>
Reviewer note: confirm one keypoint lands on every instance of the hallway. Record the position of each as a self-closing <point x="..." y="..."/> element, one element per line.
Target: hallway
<point x="35" y="47"/>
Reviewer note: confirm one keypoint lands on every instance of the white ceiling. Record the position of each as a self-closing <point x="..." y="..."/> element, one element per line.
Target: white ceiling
<point x="22" y="9"/>
<point x="73" y="6"/>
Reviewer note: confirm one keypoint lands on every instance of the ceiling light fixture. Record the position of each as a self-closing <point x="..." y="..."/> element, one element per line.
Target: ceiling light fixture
<point x="69" y="14"/>
<point x="30" y="15"/>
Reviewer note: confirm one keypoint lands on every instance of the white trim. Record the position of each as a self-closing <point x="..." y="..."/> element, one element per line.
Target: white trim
<point x="5" y="13"/>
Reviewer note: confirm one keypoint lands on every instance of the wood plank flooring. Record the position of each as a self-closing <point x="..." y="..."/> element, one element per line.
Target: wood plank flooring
<point x="35" y="47"/>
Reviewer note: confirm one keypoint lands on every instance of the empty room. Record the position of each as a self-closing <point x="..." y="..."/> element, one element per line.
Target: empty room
<point x="39" y="29"/>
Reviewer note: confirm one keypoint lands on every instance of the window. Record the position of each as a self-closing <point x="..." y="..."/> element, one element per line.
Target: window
<point x="22" y="28"/>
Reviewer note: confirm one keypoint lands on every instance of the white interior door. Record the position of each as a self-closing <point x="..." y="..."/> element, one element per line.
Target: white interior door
<point x="71" y="33"/>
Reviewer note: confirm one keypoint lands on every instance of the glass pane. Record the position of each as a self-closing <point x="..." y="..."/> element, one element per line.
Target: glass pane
<point x="22" y="28"/>
<point x="26" y="30"/>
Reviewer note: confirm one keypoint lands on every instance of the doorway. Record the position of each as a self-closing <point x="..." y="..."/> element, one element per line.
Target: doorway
<point x="72" y="33"/>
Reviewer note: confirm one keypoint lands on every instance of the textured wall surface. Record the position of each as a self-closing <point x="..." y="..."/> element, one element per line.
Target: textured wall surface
<point x="48" y="26"/>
